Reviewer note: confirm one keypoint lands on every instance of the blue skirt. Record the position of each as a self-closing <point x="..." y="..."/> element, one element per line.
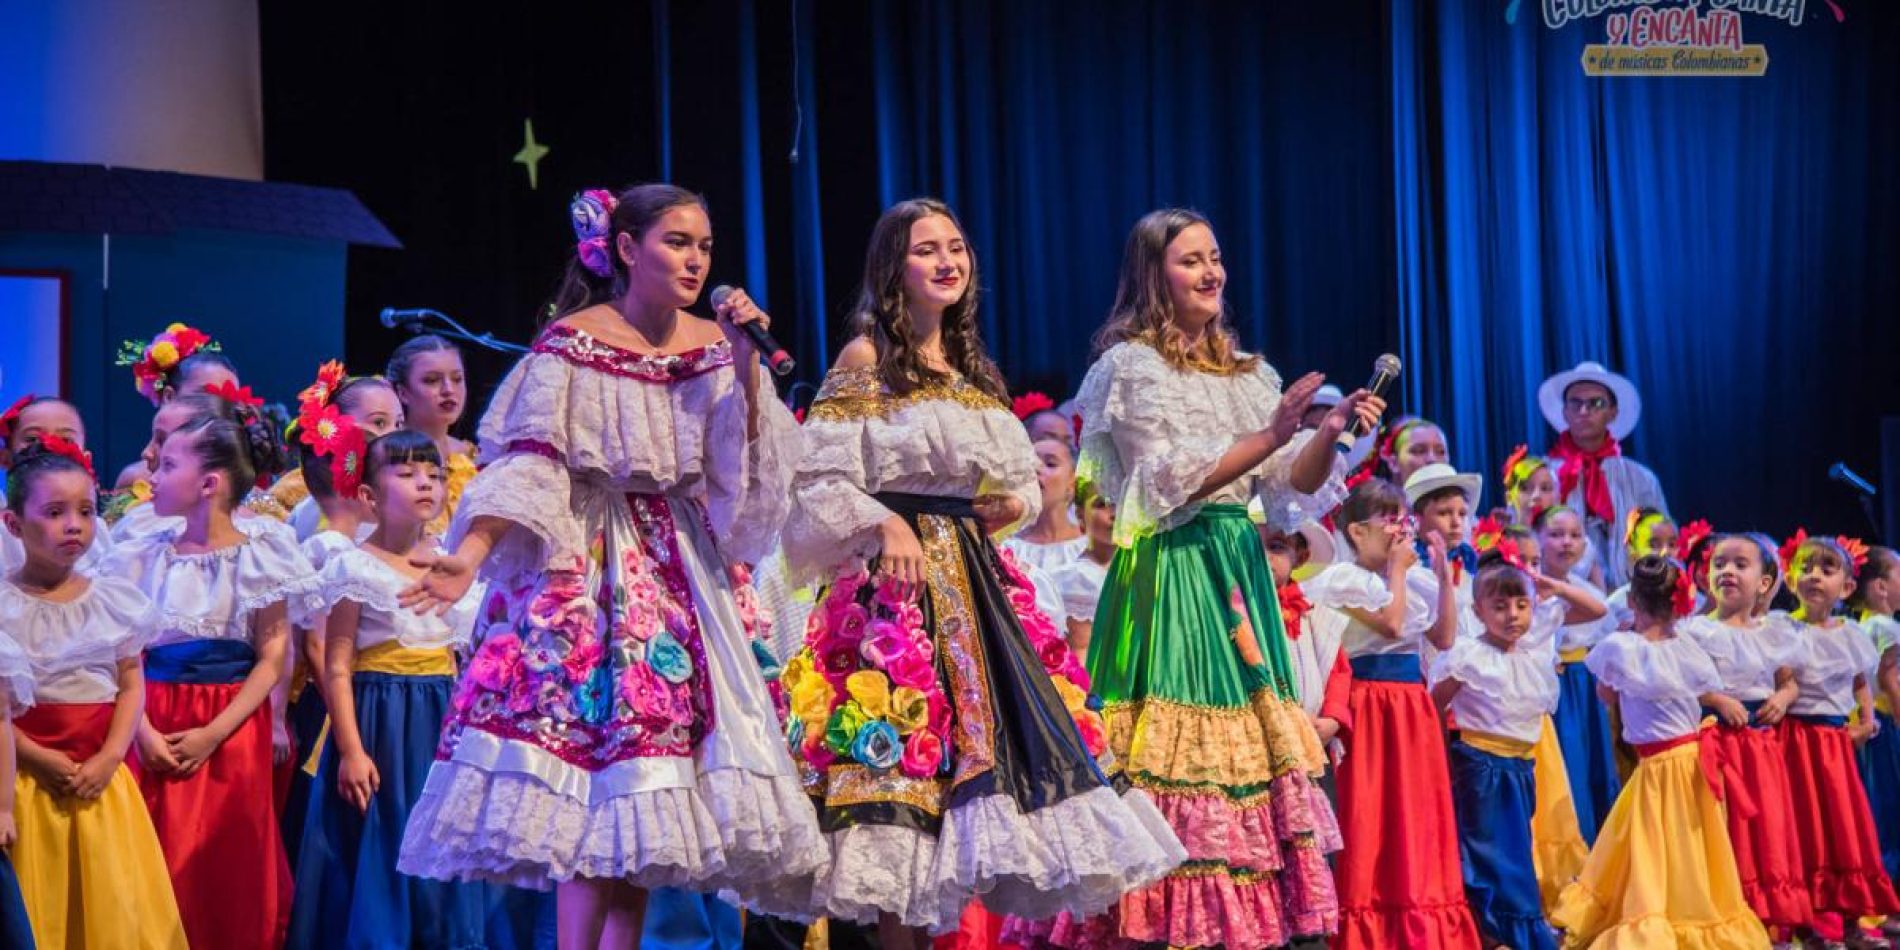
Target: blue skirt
<point x="16" y="932"/>
<point x="1880" y="772"/>
<point x="348" y="891"/>
<point x="685" y="920"/>
<point x="1494" y="797"/>
<point x="1583" y="731"/>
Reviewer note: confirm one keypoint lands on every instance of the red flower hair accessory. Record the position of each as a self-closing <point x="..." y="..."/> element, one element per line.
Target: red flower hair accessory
<point x="329" y="379"/>
<point x="1789" y="547"/>
<point x="333" y="434"/>
<point x="1510" y="465"/>
<point x="1682" y="600"/>
<point x="1692" y="534"/>
<point x="1030" y="403"/>
<point x="59" y="445"/>
<point x="233" y="393"/>
<point x="1855" y="548"/>
<point x="153" y="363"/>
<point x="11" y="417"/>
<point x="1488" y="534"/>
<point x="1507" y="548"/>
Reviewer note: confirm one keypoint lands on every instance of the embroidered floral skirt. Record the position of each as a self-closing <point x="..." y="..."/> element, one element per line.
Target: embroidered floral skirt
<point x="1190" y="659"/>
<point x="950" y="744"/>
<point x="612" y="722"/>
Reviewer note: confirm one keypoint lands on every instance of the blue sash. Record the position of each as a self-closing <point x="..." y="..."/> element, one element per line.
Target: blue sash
<point x="1388" y="668"/>
<point x="200" y="662"/>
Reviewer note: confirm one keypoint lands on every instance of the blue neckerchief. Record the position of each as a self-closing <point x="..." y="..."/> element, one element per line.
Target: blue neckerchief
<point x="1461" y="553"/>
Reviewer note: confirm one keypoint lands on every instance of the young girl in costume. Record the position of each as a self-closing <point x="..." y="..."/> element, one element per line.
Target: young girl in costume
<point x="1582" y="721"/>
<point x="387" y="673"/>
<point x="1080" y="581"/>
<point x="23" y="424"/>
<point x="180" y="360"/>
<point x="938" y="714"/>
<point x="90" y="867"/>
<point x="1053" y="540"/>
<point x="1755" y="658"/>
<point x="1399" y="881"/>
<point x="1833" y="826"/>
<point x="1662" y="872"/>
<point x="1875" y="599"/>
<point x="1498" y="688"/>
<point x="612" y="731"/>
<point x="427" y="375"/>
<point x="225" y="600"/>
<point x="1530" y="486"/>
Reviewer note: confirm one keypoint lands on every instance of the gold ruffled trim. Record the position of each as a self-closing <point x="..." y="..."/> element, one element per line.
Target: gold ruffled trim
<point x="852" y="784"/>
<point x="850" y="395"/>
<point x="1225" y="747"/>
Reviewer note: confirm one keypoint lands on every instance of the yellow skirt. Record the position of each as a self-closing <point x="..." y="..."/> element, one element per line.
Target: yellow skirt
<point x="1557" y="846"/>
<point x="1662" y="873"/>
<point x="91" y="872"/>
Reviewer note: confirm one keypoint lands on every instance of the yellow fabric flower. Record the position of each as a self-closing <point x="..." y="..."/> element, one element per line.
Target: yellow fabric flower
<point x="910" y="710"/>
<point x="164" y="354"/>
<point x="1073" y="698"/>
<point x="811" y="701"/>
<point x="176" y="328"/>
<point x="872" y="691"/>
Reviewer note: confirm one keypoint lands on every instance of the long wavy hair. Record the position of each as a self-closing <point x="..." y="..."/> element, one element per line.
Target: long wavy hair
<point x="1144" y="309"/>
<point x="883" y="313"/>
<point x="637" y="209"/>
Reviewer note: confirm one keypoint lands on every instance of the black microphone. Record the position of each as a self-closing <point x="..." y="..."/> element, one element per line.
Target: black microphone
<point x="1841" y="473"/>
<point x="1385" y="369"/>
<point x="393" y="318"/>
<point x="775" y="355"/>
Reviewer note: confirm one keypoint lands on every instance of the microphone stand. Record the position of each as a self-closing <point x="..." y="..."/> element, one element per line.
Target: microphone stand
<point x="1873" y="521"/>
<point x="460" y="332"/>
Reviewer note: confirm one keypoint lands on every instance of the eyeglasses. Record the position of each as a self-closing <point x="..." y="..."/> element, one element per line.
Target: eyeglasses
<point x="1581" y="406"/>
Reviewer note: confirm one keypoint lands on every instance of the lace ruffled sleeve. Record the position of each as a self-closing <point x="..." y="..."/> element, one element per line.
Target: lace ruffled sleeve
<point x="1660" y="671"/>
<point x="16" y="676"/>
<point x="1347" y="585"/>
<point x="1132" y="443"/>
<point x="748" y="481"/>
<point x="1287" y="507"/>
<point x="358" y="576"/>
<point x="833" y="525"/>
<point x="524" y="479"/>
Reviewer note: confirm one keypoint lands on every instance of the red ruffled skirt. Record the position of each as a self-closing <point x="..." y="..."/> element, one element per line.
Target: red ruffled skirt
<point x="218" y="826"/>
<point x="1833" y="827"/>
<point x="1399" y="879"/>
<point x="1767" y="852"/>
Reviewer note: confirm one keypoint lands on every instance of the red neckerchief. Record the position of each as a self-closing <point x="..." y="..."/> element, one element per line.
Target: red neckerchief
<point x="1587" y="467"/>
<point x="1293" y="608"/>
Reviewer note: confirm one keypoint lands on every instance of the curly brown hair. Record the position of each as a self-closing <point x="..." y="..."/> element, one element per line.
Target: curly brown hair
<point x="1144" y="310"/>
<point x="883" y="315"/>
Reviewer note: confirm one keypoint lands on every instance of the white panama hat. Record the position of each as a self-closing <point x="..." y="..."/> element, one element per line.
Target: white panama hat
<point x="1629" y="402"/>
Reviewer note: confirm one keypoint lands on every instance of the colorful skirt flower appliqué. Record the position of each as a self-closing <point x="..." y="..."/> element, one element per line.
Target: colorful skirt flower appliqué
<point x="612" y="722"/>
<point x="950" y="743"/>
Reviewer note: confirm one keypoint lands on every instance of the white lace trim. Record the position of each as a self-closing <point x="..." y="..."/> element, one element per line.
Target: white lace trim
<point x="357" y="575"/>
<point x="929" y="447"/>
<point x="1079" y="855"/>
<point x="752" y="834"/>
<point x="16" y="675"/>
<point x="685" y="435"/>
<point x="1655" y="671"/>
<point x="211" y="596"/>
<point x="1745" y="658"/>
<point x="1152" y="434"/>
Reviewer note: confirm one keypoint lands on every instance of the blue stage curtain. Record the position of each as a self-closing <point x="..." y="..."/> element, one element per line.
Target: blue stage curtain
<point x="1729" y="244"/>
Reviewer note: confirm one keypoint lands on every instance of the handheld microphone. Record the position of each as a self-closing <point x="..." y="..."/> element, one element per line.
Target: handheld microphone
<point x="775" y="355"/>
<point x="1846" y="476"/>
<point x="1385" y="370"/>
<point x="393" y="318"/>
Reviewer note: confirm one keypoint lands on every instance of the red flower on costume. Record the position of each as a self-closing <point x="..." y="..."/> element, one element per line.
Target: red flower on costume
<point x="11" y="417"/>
<point x="233" y="393"/>
<point x="1030" y="403"/>
<point x="59" y="445"/>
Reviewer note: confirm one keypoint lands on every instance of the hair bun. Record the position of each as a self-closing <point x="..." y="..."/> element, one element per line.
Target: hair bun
<point x="267" y="454"/>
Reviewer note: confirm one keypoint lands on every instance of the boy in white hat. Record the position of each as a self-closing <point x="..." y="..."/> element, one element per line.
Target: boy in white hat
<point x="1592" y="409"/>
<point x="1442" y="499"/>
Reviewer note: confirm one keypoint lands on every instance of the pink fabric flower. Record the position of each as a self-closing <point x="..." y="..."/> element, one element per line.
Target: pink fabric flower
<point x="884" y="642"/>
<point x="495" y="664"/>
<point x="849" y="622"/>
<point x="1090" y="726"/>
<point x="923" y="754"/>
<point x="647" y="695"/>
<point x="816" y="753"/>
<point x="583" y="657"/>
<point x="913" y="668"/>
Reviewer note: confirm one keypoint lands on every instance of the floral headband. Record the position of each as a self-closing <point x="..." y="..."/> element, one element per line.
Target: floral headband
<point x="591" y="212"/>
<point x="11" y="417"/>
<point x="1853" y="548"/>
<point x="330" y="432"/>
<point x="66" y="448"/>
<point x="1488" y="534"/>
<point x="152" y="363"/>
<point x="1030" y="403"/>
<point x="1508" y="550"/>
<point x="233" y="393"/>
<point x="1682" y="599"/>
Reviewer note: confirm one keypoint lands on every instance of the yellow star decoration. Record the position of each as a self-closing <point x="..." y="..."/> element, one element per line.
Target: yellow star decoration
<point x="531" y="155"/>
